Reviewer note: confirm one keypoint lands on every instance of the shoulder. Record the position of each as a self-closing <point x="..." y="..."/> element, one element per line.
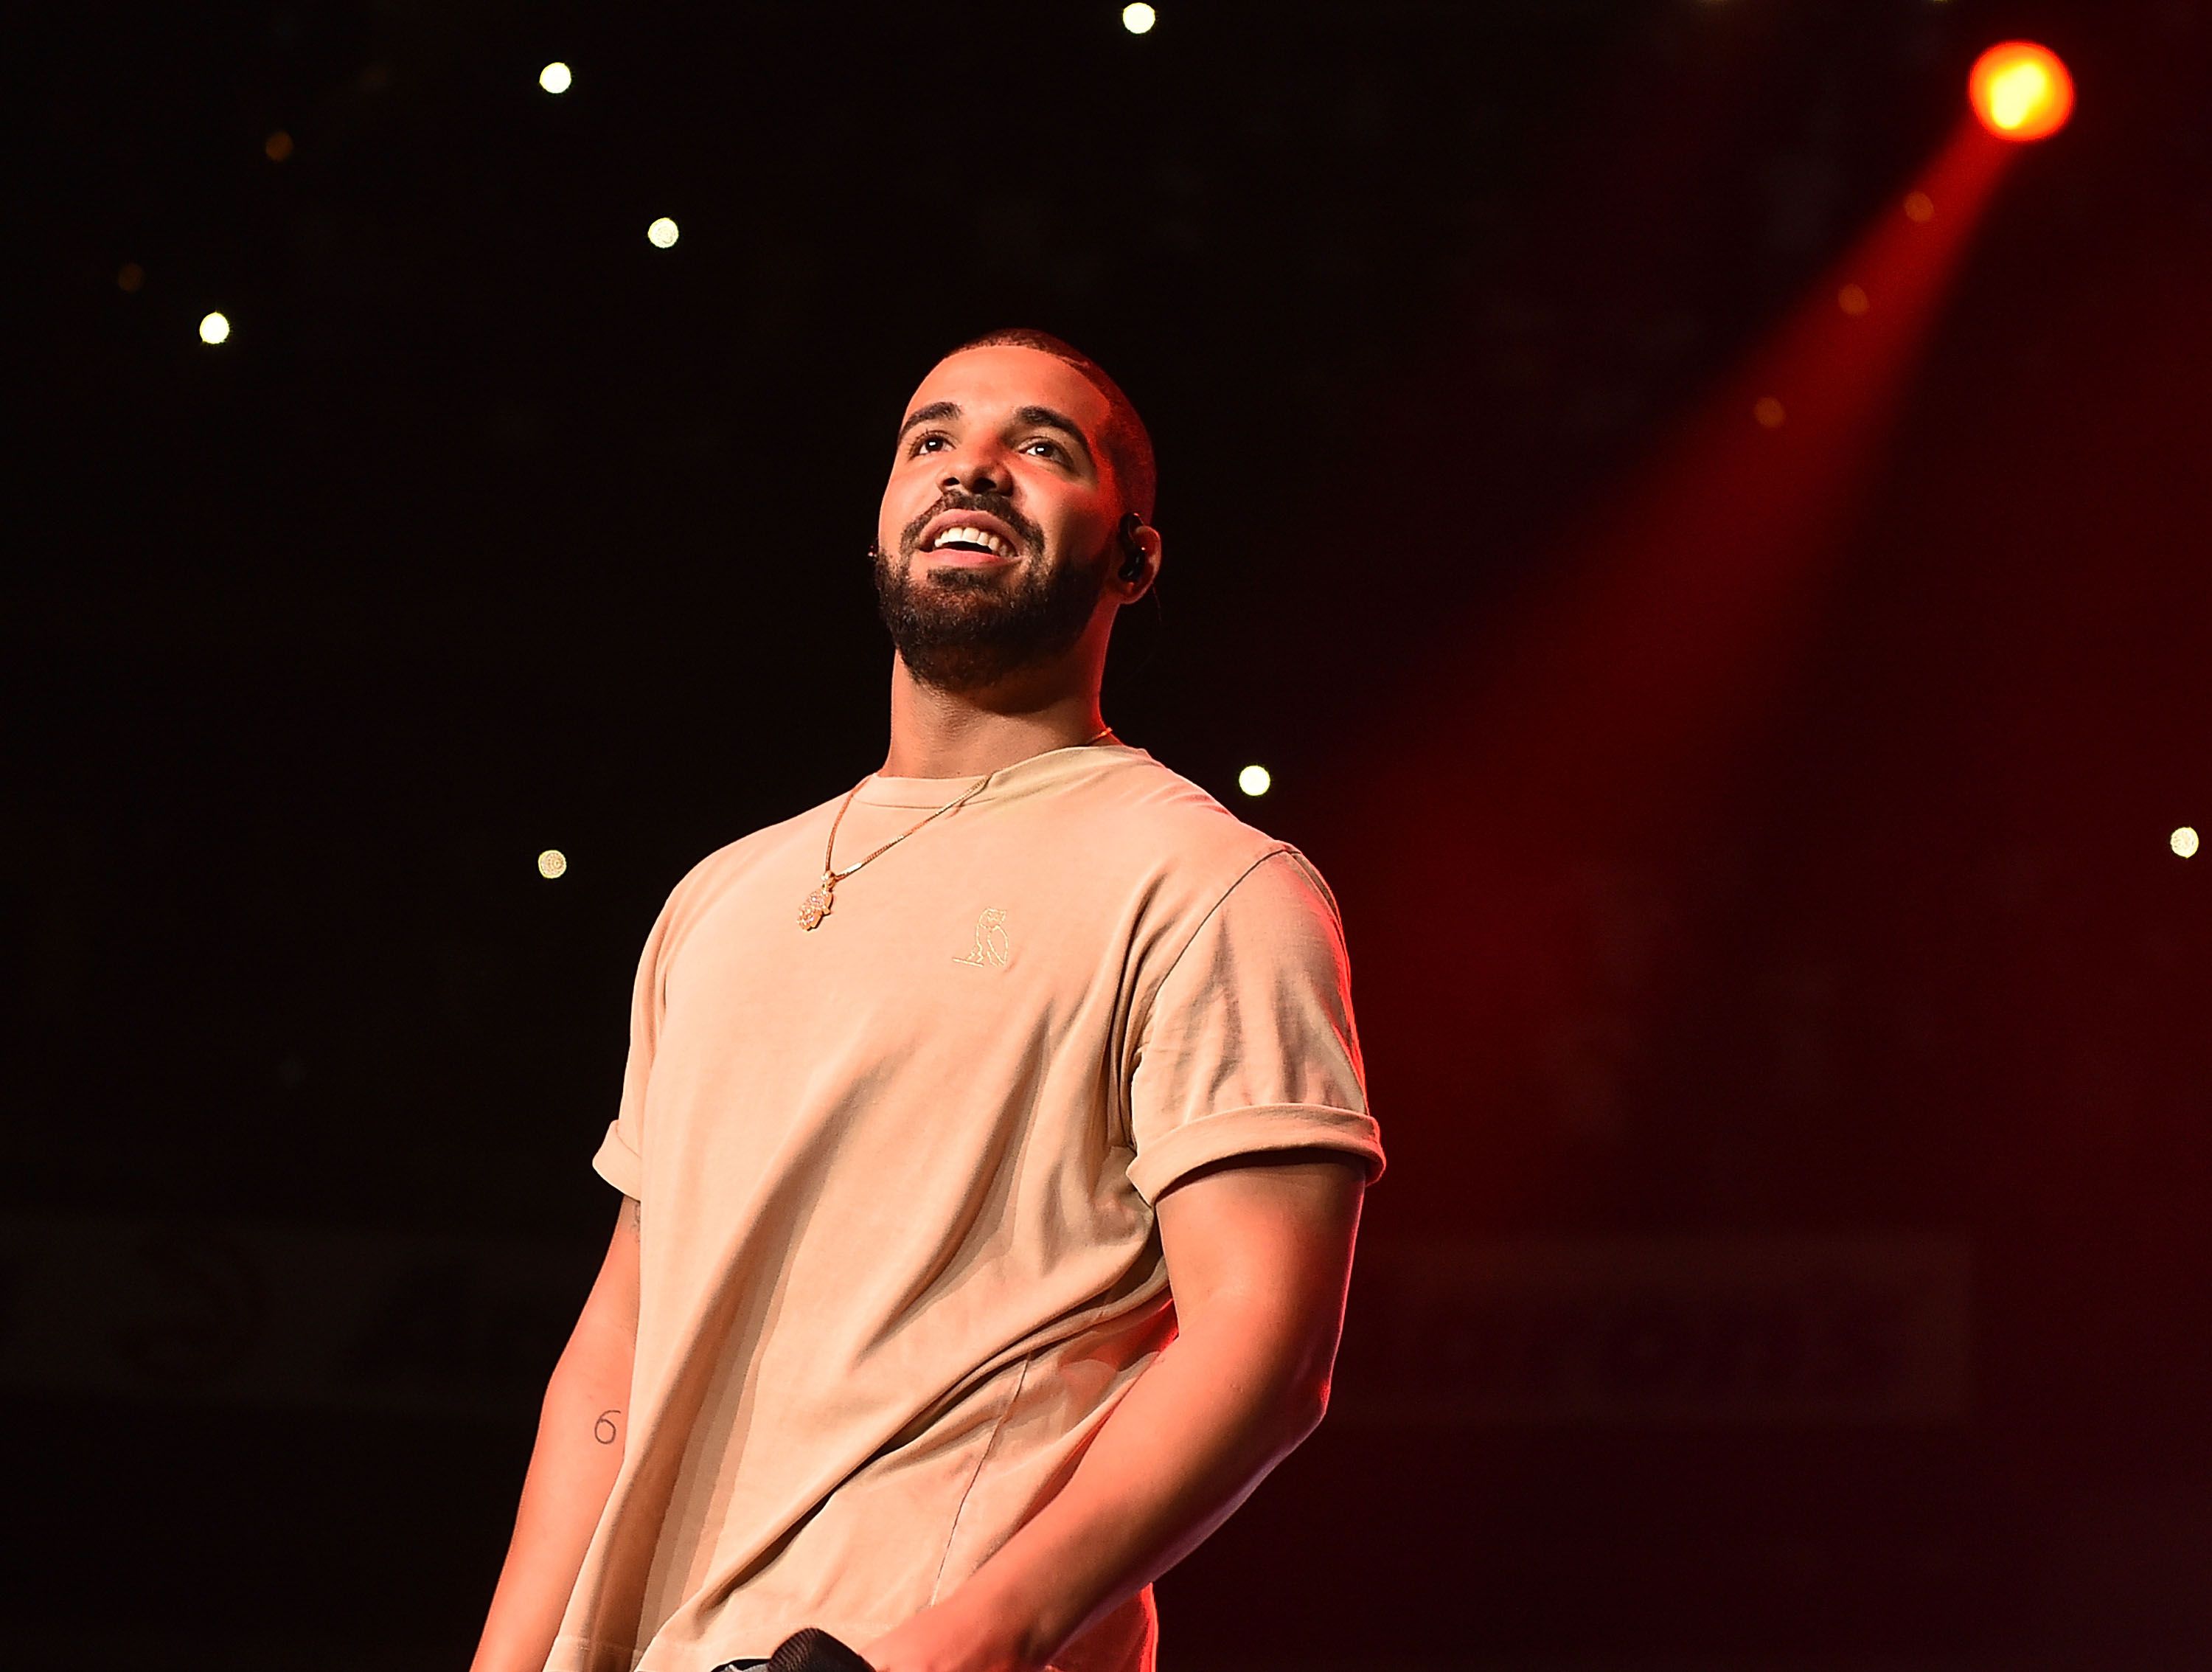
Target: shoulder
<point x="724" y="868"/>
<point x="1197" y="862"/>
<point x="1176" y="823"/>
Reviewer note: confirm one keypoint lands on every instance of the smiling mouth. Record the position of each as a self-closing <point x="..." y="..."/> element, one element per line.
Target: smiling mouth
<point x="979" y="541"/>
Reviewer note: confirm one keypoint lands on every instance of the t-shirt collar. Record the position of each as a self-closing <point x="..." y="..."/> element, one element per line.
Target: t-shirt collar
<point x="1053" y="769"/>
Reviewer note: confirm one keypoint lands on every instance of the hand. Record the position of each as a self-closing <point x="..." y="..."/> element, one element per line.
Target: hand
<point x="953" y="1636"/>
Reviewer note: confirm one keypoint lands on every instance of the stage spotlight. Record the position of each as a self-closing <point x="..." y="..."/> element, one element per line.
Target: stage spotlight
<point x="552" y="863"/>
<point x="1254" y="780"/>
<point x="555" y="77"/>
<point x="2184" y="842"/>
<point x="2020" y="91"/>
<point x="1138" y="19"/>
<point x="661" y="234"/>
<point x="215" y="329"/>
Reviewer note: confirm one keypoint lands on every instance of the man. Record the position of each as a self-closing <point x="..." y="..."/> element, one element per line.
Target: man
<point x="992" y="1141"/>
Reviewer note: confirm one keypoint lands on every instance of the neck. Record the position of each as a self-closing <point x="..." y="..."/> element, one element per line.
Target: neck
<point x="945" y="734"/>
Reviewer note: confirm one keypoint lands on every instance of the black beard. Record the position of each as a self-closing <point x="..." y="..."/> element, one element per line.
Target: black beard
<point x="968" y="629"/>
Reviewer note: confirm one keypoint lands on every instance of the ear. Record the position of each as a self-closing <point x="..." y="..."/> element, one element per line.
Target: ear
<point x="1148" y="540"/>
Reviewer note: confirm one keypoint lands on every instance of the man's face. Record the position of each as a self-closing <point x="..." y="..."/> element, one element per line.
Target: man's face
<point x="997" y="525"/>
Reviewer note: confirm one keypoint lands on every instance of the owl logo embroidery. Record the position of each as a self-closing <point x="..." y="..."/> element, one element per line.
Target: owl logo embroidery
<point x="992" y="948"/>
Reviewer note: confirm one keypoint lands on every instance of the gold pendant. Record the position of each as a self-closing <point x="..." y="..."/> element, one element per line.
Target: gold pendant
<point x="818" y="903"/>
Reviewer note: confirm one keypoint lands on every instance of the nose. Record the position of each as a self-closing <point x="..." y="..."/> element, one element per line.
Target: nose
<point x="977" y="468"/>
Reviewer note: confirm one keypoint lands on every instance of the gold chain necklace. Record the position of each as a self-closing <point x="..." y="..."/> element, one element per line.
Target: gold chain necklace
<point x="818" y="903"/>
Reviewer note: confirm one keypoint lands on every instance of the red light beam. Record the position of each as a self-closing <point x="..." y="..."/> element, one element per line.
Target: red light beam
<point x="1605" y="728"/>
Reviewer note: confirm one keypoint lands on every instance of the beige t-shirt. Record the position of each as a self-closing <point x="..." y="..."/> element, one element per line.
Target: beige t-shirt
<point x="897" y="1174"/>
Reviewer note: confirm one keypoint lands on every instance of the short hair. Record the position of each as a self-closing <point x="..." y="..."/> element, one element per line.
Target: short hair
<point x="1128" y="444"/>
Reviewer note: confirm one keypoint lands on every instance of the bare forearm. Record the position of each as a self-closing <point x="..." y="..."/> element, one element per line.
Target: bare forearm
<point x="1189" y="1443"/>
<point x="1258" y="1256"/>
<point x="581" y="1427"/>
<point x="581" y="1433"/>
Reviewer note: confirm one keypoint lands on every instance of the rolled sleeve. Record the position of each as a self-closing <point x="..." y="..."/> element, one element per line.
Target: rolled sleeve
<point x="1251" y="1132"/>
<point x="1248" y="1046"/>
<point x="618" y="1164"/>
<point x="620" y="1159"/>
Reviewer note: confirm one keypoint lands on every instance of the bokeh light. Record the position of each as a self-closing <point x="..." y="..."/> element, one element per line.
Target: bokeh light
<point x="131" y="277"/>
<point x="1138" y="19"/>
<point x="555" y="77"/>
<point x="214" y="329"/>
<point x="277" y="146"/>
<point x="1919" y="207"/>
<point x="1769" y="413"/>
<point x="2184" y="842"/>
<point x="2020" y="91"/>
<point x="552" y="863"/>
<point x="1254" y="780"/>
<point x="661" y="234"/>
<point x="1853" y="299"/>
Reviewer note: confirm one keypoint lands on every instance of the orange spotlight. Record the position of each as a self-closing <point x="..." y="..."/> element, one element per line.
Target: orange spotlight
<point x="2021" y="91"/>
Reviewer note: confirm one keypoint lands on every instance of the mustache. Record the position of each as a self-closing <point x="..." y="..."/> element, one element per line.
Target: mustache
<point x="994" y="505"/>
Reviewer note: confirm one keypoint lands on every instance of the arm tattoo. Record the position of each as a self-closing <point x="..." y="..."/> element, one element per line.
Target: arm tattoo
<point x="604" y="1431"/>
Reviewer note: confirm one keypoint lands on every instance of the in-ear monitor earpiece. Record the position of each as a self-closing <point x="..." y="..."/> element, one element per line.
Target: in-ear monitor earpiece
<point x="1133" y="548"/>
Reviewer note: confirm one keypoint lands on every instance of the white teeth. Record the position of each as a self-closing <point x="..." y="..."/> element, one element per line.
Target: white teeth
<point x="973" y="536"/>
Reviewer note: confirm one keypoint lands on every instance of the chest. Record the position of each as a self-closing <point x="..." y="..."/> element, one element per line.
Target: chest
<point x="973" y="952"/>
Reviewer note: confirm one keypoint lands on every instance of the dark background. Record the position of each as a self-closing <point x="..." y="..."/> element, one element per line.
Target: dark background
<point x="494" y="528"/>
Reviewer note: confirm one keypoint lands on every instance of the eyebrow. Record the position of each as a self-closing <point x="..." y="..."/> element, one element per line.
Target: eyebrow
<point x="931" y="414"/>
<point x="1030" y="417"/>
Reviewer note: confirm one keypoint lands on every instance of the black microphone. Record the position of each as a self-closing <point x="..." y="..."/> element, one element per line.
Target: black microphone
<point x="813" y="1650"/>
